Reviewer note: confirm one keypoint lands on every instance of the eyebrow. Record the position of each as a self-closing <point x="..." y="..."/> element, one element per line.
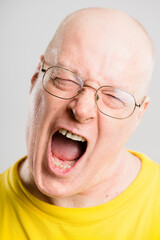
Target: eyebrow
<point x="80" y="80"/>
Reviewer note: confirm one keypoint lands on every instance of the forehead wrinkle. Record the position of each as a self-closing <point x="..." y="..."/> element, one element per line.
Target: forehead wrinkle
<point x="87" y="27"/>
<point x="99" y="75"/>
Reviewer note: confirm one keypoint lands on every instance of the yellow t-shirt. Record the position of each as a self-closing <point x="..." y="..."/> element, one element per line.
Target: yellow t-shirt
<point x="134" y="214"/>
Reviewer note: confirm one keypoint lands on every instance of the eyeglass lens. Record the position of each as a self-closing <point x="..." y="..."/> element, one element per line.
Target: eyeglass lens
<point x="111" y="101"/>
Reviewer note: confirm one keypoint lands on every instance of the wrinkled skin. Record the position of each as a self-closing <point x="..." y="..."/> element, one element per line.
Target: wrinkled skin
<point x="105" y="47"/>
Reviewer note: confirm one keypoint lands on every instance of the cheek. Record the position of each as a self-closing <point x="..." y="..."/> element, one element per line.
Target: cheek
<point x="42" y="107"/>
<point x="116" y="132"/>
<point x="37" y="109"/>
<point x="43" y="111"/>
<point x="36" y="113"/>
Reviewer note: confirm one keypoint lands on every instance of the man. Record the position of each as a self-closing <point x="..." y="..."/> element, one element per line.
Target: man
<point x="87" y="98"/>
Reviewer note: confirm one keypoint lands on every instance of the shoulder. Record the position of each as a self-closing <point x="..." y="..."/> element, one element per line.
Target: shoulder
<point x="9" y="178"/>
<point x="150" y="170"/>
<point x="146" y="160"/>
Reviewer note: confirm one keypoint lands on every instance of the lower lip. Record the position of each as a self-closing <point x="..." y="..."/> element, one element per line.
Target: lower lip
<point x="59" y="170"/>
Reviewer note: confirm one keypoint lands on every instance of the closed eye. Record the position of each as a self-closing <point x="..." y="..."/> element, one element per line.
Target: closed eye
<point x="113" y="101"/>
<point x="63" y="84"/>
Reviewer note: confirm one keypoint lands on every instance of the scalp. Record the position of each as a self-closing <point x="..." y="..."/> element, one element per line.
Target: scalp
<point x="107" y="31"/>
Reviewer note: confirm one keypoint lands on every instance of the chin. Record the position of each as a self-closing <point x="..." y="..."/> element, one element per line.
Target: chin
<point x="58" y="173"/>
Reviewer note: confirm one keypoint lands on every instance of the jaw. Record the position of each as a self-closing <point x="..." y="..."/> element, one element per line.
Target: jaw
<point x="57" y="177"/>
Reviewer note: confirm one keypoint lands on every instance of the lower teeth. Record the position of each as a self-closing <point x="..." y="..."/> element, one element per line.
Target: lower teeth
<point x="60" y="166"/>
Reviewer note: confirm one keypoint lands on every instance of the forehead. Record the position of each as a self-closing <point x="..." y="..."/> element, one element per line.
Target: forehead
<point x="107" y="57"/>
<point x="95" y="67"/>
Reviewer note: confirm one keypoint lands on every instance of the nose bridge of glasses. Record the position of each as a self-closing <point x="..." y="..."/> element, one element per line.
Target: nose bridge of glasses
<point x="91" y="87"/>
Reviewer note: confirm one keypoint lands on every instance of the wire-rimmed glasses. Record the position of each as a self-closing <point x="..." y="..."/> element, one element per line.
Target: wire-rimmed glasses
<point x="65" y="84"/>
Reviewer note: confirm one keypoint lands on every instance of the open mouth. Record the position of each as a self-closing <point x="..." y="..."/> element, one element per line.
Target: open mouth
<point x="66" y="149"/>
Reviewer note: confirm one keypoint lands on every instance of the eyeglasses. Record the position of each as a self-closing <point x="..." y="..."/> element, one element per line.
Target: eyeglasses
<point x="65" y="84"/>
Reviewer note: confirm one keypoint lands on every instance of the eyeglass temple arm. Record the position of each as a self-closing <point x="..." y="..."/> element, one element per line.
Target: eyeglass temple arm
<point x="140" y="104"/>
<point x="42" y="68"/>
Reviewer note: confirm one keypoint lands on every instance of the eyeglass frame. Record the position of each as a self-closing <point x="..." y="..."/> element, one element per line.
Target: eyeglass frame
<point x="138" y="105"/>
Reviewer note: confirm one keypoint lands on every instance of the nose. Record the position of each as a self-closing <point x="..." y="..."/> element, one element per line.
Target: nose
<point x="83" y="107"/>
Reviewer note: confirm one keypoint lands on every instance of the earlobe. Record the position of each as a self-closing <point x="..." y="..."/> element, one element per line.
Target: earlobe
<point x="146" y="102"/>
<point x="33" y="80"/>
<point x="143" y="108"/>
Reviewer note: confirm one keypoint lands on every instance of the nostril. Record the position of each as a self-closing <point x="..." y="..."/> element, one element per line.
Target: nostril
<point x="72" y="113"/>
<point x="79" y="116"/>
<point x="83" y="108"/>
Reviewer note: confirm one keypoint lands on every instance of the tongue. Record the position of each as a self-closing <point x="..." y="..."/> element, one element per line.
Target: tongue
<point x="65" y="148"/>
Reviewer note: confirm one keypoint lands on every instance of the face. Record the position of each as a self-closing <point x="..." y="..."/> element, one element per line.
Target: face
<point x="51" y="155"/>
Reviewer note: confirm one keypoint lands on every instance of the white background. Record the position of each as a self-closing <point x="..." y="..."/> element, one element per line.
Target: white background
<point x="26" y="27"/>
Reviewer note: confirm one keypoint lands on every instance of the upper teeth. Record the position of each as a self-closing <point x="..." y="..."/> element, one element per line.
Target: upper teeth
<point x="71" y="135"/>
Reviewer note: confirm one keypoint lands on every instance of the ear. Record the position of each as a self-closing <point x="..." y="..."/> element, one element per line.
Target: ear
<point x="35" y="76"/>
<point x="142" y="109"/>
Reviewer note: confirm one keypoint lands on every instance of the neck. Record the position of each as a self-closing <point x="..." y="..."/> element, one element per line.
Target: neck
<point x="120" y="179"/>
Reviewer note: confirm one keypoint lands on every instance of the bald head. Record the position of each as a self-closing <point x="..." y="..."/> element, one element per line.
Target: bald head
<point x="116" y="41"/>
